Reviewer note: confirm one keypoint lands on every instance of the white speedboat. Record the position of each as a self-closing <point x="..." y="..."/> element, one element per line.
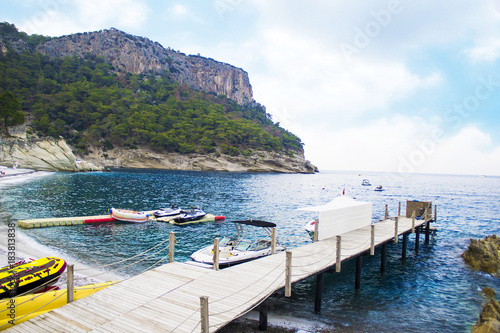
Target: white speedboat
<point x="128" y="215"/>
<point x="235" y="250"/>
<point x="366" y="182"/>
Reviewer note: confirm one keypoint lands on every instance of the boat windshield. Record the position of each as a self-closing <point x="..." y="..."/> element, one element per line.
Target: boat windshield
<point x="224" y="241"/>
<point x="243" y="245"/>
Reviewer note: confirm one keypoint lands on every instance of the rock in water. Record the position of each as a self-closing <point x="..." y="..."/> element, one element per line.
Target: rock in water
<point x="484" y="254"/>
<point x="489" y="319"/>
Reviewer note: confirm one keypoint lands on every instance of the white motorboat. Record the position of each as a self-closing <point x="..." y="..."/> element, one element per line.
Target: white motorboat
<point x="235" y="250"/>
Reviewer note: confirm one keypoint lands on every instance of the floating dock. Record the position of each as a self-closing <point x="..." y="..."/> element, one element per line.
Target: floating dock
<point x="63" y="221"/>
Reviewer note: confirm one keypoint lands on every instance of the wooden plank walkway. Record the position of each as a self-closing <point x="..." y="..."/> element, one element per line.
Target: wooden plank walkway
<point x="167" y="298"/>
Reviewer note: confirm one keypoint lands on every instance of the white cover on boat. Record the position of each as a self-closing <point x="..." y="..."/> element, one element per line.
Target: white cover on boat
<point x="341" y="215"/>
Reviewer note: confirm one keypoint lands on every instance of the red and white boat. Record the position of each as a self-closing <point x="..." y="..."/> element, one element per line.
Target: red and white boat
<point x="126" y="215"/>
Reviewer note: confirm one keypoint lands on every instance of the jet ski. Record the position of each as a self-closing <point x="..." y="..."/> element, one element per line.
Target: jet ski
<point x="190" y="215"/>
<point x="172" y="211"/>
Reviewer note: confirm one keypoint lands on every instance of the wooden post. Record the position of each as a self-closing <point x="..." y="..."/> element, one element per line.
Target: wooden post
<point x="339" y="256"/>
<point x="417" y="239"/>
<point x="357" y="282"/>
<point x="171" y="246"/>
<point x="288" y="274"/>
<point x="273" y="241"/>
<point x="372" y="245"/>
<point x="435" y="213"/>
<point x="396" y="236"/>
<point x="386" y="212"/>
<point x="427" y="231"/>
<point x="70" y="283"/>
<point x="316" y="230"/>
<point x="319" y="292"/>
<point x="383" y="258"/>
<point x="263" y="309"/>
<point x="405" y="241"/>
<point x="413" y="222"/>
<point x="216" y="254"/>
<point x="399" y="209"/>
<point x="204" y="314"/>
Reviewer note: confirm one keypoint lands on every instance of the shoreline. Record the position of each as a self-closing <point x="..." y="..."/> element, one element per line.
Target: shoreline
<point x="27" y="247"/>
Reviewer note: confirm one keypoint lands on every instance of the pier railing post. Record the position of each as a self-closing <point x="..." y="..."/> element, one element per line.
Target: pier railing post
<point x="435" y="213"/>
<point x="396" y="229"/>
<point x="273" y="240"/>
<point x="413" y="222"/>
<point x="386" y="214"/>
<point x="216" y="254"/>
<point x="399" y="209"/>
<point x="339" y="254"/>
<point x="204" y="314"/>
<point x="288" y="274"/>
<point x="171" y="246"/>
<point x="372" y="244"/>
<point x="70" y="283"/>
<point x="316" y="230"/>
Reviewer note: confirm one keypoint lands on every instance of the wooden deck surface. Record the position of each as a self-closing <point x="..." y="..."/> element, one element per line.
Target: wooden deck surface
<point x="167" y="298"/>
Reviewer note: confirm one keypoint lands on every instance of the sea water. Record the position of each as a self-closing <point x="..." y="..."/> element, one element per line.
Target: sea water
<point x="432" y="291"/>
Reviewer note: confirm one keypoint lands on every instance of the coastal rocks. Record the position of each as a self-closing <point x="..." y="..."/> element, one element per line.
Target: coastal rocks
<point x="489" y="319"/>
<point x="140" y="55"/>
<point x="42" y="154"/>
<point x="484" y="254"/>
<point x="143" y="158"/>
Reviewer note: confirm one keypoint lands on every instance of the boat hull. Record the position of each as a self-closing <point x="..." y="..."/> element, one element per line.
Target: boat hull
<point x="29" y="306"/>
<point x="230" y="258"/>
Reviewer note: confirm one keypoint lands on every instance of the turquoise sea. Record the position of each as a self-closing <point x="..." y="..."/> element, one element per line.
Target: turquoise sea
<point x="432" y="291"/>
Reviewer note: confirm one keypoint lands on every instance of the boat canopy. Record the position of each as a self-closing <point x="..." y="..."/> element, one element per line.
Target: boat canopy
<point x="257" y="223"/>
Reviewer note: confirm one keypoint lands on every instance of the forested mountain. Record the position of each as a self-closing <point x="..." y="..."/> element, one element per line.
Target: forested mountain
<point x="92" y="102"/>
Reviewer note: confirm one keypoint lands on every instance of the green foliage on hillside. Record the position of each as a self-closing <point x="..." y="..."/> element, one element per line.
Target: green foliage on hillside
<point x="88" y="102"/>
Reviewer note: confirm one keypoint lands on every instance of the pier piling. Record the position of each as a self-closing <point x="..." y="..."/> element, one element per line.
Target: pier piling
<point x="383" y="258"/>
<point x="357" y="282"/>
<point x="319" y="292"/>
<point x="263" y="310"/>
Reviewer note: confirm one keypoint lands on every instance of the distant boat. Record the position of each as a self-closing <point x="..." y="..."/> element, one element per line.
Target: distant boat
<point x="125" y="215"/>
<point x="366" y="182"/>
<point x="379" y="188"/>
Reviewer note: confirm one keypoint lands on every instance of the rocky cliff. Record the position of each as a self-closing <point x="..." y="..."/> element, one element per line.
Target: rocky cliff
<point x="139" y="55"/>
<point x="143" y="158"/>
<point x="42" y="154"/>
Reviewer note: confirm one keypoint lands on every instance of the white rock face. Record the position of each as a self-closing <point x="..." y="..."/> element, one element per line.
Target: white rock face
<point x="42" y="154"/>
<point x="143" y="158"/>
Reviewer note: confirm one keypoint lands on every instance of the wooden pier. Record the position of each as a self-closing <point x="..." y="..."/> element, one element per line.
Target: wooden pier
<point x="184" y="297"/>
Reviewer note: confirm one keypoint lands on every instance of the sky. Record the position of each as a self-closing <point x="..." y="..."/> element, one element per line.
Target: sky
<point x="396" y="86"/>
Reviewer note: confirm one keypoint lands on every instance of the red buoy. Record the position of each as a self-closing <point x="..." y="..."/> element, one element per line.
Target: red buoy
<point x="219" y="218"/>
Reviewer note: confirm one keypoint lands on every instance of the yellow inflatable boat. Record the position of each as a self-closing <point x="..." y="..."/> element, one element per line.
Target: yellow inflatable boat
<point x="30" y="277"/>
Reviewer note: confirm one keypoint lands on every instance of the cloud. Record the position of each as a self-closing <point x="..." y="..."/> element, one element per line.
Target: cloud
<point x="402" y="145"/>
<point x="60" y="17"/>
<point x="487" y="50"/>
